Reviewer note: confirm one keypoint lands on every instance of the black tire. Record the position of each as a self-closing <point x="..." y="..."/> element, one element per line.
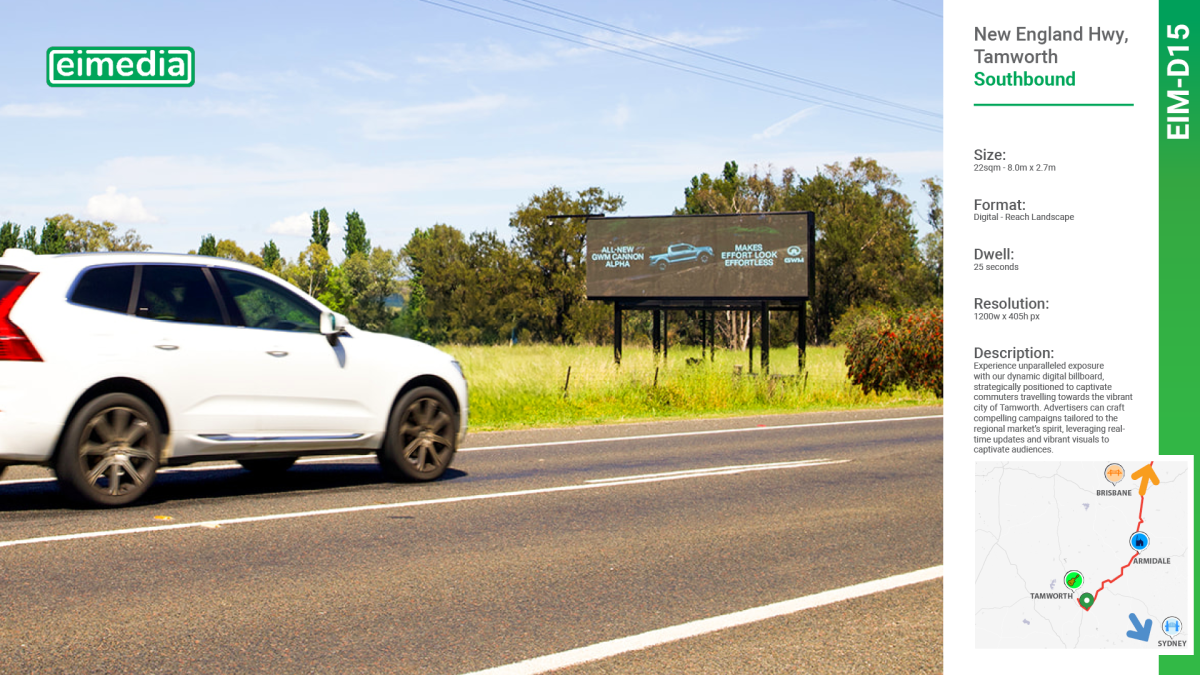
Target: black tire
<point x="422" y="436"/>
<point x="271" y="466"/>
<point x="703" y="257"/>
<point x="662" y="266"/>
<point x="109" y="453"/>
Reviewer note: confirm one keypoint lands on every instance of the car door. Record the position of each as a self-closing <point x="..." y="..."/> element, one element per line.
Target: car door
<point x="306" y="385"/>
<point x="184" y="342"/>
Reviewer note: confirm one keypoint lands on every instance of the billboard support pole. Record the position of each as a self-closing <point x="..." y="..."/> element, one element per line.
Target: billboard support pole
<point x="666" y="331"/>
<point x="703" y="332"/>
<point x="617" y="333"/>
<point x="802" y="333"/>
<point x="750" y="342"/>
<point x="766" y="340"/>
<point x="712" y="335"/>
<point x="657" y="316"/>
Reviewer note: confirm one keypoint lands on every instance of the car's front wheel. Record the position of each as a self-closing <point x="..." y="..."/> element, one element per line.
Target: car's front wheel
<point x="662" y="265"/>
<point x="703" y="257"/>
<point x="110" y="451"/>
<point x="421" y="436"/>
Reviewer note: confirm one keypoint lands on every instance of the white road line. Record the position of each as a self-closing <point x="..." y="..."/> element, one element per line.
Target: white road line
<point x="318" y="459"/>
<point x="209" y="467"/>
<point x="603" y="650"/>
<point x="214" y="524"/>
<point x="678" y="434"/>
<point x="726" y="470"/>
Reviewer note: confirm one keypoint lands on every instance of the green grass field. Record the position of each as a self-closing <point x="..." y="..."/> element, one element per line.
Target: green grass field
<point x="522" y="386"/>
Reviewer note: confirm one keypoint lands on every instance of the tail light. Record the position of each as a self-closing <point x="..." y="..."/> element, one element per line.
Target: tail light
<point x="14" y="346"/>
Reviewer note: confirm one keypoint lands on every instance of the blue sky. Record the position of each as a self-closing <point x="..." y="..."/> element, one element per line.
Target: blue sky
<point x="414" y="114"/>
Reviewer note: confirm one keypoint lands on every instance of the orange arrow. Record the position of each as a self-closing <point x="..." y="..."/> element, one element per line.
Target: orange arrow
<point x="1146" y="473"/>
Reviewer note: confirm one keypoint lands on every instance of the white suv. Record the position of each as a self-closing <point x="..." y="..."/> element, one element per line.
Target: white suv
<point x="113" y="364"/>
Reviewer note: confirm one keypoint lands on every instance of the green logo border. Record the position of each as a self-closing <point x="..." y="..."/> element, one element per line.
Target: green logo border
<point x="50" y="81"/>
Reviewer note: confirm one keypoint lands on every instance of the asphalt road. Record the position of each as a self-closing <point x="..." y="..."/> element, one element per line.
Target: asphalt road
<point x="535" y="543"/>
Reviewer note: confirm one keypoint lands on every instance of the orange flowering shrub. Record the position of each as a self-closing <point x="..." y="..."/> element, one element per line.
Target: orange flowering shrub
<point x="882" y="353"/>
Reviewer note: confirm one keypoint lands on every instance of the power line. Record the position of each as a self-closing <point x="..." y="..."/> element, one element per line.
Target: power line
<point x="919" y="9"/>
<point x="639" y="55"/>
<point x="579" y="18"/>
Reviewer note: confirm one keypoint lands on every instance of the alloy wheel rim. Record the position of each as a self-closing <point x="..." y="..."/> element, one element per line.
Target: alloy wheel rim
<point x="116" y="451"/>
<point x="424" y="432"/>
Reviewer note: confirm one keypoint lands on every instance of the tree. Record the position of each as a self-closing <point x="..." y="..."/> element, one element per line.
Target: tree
<point x="931" y="243"/>
<point x="555" y="249"/>
<point x="866" y="241"/>
<point x="320" y="229"/>
<point x="29" y="240"/>
<point x="412" y="322"/>
<point x="356" y="235"/>
<point x="10" y="236"/>
<point x="208" y="246"/>
<point x="270" y="255"/>
<point x="84" y="236"/>
<point x="53" y="240"/>
<point x="311" y="270"/>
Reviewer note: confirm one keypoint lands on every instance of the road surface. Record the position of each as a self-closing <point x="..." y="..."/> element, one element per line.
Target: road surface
<point x="537" y="544"/>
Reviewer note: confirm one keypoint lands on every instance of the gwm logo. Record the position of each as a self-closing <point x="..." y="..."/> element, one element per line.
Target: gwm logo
<point x="795" y="255"/>
<point x="120" y="66"/>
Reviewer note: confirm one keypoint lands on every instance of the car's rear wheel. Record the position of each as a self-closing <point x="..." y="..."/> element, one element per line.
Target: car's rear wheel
<point x="110" y="451"/>
<point x="421" y="437"/>
<point x="268" y="466"/>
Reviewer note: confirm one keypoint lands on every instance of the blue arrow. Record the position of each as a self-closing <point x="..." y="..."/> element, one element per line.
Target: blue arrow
<point x="1140" y="631"/>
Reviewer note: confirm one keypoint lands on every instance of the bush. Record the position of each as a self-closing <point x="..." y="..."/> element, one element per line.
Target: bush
<point x="882" y="352"/>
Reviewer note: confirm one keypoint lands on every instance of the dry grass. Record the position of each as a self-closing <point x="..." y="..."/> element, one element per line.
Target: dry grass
<point x="523" y="386"/>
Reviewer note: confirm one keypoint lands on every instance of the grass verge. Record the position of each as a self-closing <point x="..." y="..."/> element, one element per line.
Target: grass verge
<point x="527" y="386"/>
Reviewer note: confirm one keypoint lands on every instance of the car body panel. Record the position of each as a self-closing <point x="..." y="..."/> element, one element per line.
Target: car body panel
<point x="226" y="389"/>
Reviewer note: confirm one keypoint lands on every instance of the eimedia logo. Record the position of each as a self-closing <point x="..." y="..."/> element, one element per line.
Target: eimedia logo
<point x="120" y="66"/>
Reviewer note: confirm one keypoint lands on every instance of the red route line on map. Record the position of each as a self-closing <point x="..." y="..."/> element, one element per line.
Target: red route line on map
<point x="1135" y="553"/>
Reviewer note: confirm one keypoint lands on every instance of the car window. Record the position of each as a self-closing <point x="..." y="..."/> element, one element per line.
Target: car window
<point x="105" y="287"/>
<point x="266" y="304"/>
<point x="177" y="293"/>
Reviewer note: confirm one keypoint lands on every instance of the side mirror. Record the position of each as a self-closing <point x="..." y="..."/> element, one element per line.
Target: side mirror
<point x="333" y="325"/>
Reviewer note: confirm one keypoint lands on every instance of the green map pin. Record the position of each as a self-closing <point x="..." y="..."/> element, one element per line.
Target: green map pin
<point x="1086" y="600"/>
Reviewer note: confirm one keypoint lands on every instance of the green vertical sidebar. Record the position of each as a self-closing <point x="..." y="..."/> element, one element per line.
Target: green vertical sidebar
<point x="1178" y="246"/>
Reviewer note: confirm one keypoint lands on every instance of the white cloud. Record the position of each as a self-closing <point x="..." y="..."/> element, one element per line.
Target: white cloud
<point x="118" y="208"/>
<point x="231" y="82"/>
<point x="380" y="123"/>
<point x="358" y="72"/>
<point x="608" y="40"/>
<point x="292" y="226"/>
<point x="782" y="125"/>
<point x="618" y="117"/>
<point x="493" y="58"/>
<point x="38" y="110"/>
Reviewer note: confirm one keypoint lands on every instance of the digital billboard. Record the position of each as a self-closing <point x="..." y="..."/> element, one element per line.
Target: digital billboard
<point x="736" y="256"/>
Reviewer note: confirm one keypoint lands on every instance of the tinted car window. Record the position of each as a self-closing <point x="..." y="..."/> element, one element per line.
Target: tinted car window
<point x="177" y="293"/>
<point x="266" y="304"/>
<point x="105" y="288"/>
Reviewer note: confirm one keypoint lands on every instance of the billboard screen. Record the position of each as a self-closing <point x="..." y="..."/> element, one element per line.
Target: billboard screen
<point x="753" y="255"/>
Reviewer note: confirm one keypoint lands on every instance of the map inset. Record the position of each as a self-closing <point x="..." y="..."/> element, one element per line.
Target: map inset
<point x="1083" y="555"/>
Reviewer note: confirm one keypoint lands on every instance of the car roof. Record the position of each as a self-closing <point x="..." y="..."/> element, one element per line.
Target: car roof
<point x="73" y="262"/>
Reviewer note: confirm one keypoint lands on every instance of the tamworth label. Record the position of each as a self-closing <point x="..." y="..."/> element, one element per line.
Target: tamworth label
<point x="120" y="66"/>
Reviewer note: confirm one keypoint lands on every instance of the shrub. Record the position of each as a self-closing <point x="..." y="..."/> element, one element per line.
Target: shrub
<point x="882" y="353"/>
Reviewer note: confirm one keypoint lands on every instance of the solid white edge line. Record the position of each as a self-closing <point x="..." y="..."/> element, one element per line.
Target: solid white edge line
<point x="214" y="524"/>
<point x="696" y="433"/>
<point x="737" y="468"/>
<point x="318" y="459"/>
<point x="603" y="650"/>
